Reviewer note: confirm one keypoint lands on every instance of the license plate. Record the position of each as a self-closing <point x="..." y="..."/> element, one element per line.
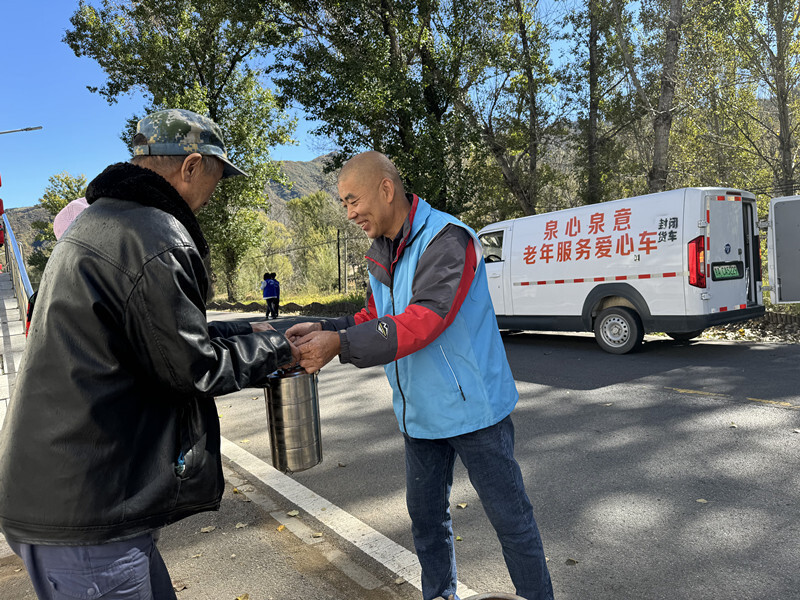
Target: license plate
<point x="726" y="271"/>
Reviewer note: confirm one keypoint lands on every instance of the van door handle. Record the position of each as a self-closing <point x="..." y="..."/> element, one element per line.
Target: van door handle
<point x="494" y="275"/>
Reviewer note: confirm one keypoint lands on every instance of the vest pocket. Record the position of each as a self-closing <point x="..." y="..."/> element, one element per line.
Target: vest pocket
<point x="451" y="374"/>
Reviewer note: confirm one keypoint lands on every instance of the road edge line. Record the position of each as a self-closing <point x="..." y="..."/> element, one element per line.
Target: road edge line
<point x="390" y="554"/>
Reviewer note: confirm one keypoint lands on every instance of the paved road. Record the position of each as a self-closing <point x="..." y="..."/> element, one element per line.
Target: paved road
<point x="670" y="473"/>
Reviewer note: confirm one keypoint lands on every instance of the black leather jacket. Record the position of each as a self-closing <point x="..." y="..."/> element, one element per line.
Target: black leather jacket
<point x="112" y="430"/>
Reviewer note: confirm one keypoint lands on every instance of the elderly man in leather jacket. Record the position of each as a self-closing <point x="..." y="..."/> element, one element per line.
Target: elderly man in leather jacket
<point x="112" y="431"/>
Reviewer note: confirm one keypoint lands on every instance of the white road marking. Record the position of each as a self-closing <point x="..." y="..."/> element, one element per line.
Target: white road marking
<point x="391" y="555"/>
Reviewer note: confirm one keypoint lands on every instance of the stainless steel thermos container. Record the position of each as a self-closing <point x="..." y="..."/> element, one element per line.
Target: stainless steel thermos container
<point x="294" y="429"/>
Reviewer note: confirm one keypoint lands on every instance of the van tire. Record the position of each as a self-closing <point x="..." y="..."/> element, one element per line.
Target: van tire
<point x="618" y="330"/>
<point x="685" y="336"/>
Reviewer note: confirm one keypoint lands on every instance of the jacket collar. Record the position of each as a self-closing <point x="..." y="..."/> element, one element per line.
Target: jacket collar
<point x="126" y="181"/>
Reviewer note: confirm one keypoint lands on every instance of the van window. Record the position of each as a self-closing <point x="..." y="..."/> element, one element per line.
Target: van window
<point x="492" y="243"/>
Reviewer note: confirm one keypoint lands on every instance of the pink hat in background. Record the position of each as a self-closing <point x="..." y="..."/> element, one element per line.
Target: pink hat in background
<point x="67" y="215"/>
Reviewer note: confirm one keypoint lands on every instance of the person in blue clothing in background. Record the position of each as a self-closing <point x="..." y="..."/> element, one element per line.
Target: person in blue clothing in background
<point x="271" y="291"/>
<point x="429" y="319"/>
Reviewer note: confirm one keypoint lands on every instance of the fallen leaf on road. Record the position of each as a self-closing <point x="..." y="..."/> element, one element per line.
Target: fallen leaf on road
<point x="198" y="555"/>
<point x="236" y="491"/>
<point x="179" y="586"/>
<point x="244" y="441"/>
<point x="293" y="513"/>
<point x="461" y="505"/>
<point x="208" y="529"/>
<point x="571" y="562"/>
<point x="796" y="431"/>
<point x="243" y="597"/>
<point x="733" y="425"/>
<point x="608" y="404"/>
<point x="281" y="527"/>
<point x="399" y="581"/>
<point x="233" y="556"/>
<point x="342" y="465"/>
<point x="316" y="534"/>
<point x="459" y="538"/>
<point x="240" y="525"/>
<point x="702" y="501"/>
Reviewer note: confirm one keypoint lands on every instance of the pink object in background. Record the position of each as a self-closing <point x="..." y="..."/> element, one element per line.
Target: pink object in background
<point x="67" y="215"/>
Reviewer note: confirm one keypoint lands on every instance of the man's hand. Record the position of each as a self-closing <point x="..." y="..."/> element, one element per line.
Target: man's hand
<point x="262" y="326"/>
<point x="300" y="330"/>
<point x="295" y="357"/>
<point x="317" y="349"/>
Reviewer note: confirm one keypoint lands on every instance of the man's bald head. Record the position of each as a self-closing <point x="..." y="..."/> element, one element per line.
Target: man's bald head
<point x="372" y="193"/>
<point x="370" y="167"/>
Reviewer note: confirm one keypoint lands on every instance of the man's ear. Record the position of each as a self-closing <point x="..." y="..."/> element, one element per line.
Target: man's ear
<point x="387" y="189"/>
<point x="191" y="167"/>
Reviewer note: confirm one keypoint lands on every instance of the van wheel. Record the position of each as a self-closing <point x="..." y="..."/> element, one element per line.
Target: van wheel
<point x="618" y="330"/>
<point x="685" y="336"/>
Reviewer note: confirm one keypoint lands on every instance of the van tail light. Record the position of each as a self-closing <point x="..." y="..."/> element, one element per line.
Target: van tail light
<point x="697" y="262"/>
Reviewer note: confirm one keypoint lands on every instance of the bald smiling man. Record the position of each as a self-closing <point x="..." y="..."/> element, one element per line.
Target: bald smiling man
<point x="429" y="320"/>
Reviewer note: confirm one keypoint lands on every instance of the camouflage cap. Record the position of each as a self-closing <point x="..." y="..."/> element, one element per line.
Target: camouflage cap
<point x="179" y="132"/>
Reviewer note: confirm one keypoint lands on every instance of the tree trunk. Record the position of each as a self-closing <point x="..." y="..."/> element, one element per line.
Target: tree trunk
<point x="662" y="122"/>
<point x="784" y="183"/>
<point x="592" y="150"/>
<point x="435" y="104"/>
<point x="531" y="195"/>
<point x="397" y="64"/>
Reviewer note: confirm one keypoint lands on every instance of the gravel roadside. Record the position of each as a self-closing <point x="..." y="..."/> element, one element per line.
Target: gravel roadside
<point x="773" y="327"/>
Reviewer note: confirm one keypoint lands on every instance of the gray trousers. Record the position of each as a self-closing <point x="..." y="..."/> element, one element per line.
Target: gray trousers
<point x="129" y="570"/>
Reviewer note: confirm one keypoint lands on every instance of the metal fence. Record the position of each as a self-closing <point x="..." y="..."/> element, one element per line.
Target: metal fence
<point x="15" y="263"/>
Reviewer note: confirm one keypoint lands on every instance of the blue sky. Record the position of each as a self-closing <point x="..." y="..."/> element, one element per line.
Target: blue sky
<point x="42" y="82"/>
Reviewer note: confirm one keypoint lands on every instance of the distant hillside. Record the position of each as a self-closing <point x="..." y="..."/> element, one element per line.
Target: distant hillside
<point x="21" y="219"/>
<point x="307" y="178"/>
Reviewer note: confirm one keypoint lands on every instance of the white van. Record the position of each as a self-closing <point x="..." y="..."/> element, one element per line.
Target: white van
<point x="677" y="261"/>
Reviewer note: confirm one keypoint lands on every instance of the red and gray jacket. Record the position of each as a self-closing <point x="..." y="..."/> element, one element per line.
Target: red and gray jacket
<point x="429" y="319"/>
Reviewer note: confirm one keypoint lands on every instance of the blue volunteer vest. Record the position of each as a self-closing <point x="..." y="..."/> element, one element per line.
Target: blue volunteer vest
<point x="460" y="382"/>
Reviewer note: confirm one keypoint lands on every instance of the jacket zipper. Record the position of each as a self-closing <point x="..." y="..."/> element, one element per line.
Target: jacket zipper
<point x="453" y="373"/>
<point x="396" y="366"/>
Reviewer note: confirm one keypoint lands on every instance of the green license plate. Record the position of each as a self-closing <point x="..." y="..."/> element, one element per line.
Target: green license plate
<point x="726" y="271"/>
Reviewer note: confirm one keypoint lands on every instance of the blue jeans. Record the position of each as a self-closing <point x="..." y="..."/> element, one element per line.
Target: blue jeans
<point x="488" y="455"/>
<point x="129" y="570"/>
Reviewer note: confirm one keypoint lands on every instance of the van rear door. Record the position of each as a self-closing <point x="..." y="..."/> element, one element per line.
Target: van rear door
<point x="732" y="266"/>
<point x="783" y="249"/>
<point x="496" y="249"/>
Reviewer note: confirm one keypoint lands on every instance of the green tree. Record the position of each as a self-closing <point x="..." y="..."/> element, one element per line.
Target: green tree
<point x="208" y="57"/>
<point x="62" y="188"/>
<point x="710" y="142"/>
<point x="270" y="255"/>
<point x="314" y="221"/>
<point x="651" y="65"/>
<point x="593" y="74"/>
<point x="767" y="36"/>
<point x="385" y="76"/>
<point x="510" y="98"/>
